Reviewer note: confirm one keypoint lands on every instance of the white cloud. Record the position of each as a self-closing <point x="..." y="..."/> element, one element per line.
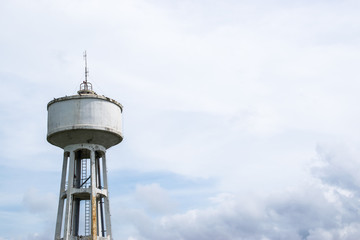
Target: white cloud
<point x="315" y="210"/>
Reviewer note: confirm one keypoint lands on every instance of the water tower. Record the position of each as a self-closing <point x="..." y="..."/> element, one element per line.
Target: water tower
<point x="85" y="126"/>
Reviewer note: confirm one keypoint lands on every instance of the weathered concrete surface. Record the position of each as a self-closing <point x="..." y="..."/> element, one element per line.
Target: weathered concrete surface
<point x="85" y="118"/>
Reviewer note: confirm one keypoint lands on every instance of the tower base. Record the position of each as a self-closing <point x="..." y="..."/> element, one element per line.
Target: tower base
<point x="84" y="211"/>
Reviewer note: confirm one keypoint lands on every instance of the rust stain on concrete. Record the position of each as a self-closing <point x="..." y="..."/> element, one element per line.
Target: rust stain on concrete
<point x="93" y="218"/>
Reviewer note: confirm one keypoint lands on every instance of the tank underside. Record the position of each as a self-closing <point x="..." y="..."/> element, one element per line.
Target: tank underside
<point x="78" y="136"/>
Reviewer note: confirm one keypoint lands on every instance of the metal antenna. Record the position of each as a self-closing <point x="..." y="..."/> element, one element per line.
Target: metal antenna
<point x="86" y="69"/>
<point x="85" y="86"/>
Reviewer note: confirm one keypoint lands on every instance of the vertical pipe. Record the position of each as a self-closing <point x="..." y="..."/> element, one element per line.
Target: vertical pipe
<point x="93" y="196"/>
<point x="76" y="213"/>
<point x="106" y="199"/>
<point x="69" y="202"/>
<point x="61" y="198"/>
<point x="78" y="157"/>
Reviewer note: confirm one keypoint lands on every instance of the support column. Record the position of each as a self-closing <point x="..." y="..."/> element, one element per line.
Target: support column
<point x="93" y="196"/>
<point x="69" y="202"/>
<point x="76" y="201"/>
<point x="60" y="213"/>
<point x="106" y="199"/>
<point x="101" y="224"/>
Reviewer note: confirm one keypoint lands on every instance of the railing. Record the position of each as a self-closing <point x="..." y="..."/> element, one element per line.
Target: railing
<point x="88" y="237"/>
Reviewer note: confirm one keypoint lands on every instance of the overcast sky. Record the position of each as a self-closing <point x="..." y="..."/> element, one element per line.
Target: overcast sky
<point x="241" y="118"/>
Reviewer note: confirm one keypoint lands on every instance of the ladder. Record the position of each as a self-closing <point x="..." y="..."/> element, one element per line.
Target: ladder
<point x="87" y="217"/>
<point x="84" y="172"/>
<point x="84" y="177"/>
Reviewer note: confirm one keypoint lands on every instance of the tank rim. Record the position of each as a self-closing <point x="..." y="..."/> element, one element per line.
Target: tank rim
<point x="83" y="96"/>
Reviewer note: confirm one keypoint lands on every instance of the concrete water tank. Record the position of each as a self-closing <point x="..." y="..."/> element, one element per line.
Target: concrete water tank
<point x="84" y="118"/>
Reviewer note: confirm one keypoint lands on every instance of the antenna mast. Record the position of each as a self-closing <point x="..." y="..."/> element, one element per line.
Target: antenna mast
<point x="86" y="69"/>
<point x="85" y="86"/>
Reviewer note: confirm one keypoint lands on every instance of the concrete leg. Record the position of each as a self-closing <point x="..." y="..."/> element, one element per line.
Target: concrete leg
<point x="106" y="199"/>
<point x="69" y="202"/>
<point x="60" y="213"/>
